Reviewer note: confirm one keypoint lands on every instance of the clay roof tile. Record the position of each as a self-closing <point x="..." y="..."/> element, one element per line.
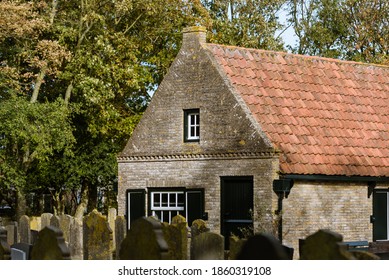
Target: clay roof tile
<point x="327" y="116"/>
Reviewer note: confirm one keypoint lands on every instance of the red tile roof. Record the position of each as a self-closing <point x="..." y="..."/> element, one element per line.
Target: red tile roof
<point x="326" y="116"/>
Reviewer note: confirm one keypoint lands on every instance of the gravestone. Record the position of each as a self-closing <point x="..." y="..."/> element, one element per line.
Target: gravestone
<point x="198" y="226"/>
<point x="24" y="229"/>
<point x="5" y="250"/>
<point x="12" y="233"/>
<point x="179" y="222"/>
<point x="173" y="238"/>
<point x="76" y="240"/>
<point x="236" y="245"/>
<point x="120" y="233"/>
<point x="34" y="236"/>
<point x="35" y="223"/>
<point x="21" y="251"/>
<point x="207" y="246"/>
<point x="324" y="245"/>
<point x="262" y="247"/>
<point x="112" y="213"/>
<point x="54" y="221"/>
<point x="18" y="255"/>
<point x="45" y="220"/>
<point x="50" y="245"/>
<point x="97" y="240"/>
<point x="144" y="241"/>
<point x="65" y="222"/>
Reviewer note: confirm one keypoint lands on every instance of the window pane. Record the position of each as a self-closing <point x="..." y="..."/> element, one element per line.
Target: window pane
<point x="192" y="131"/>
<point x="181" y="199"/>
<point x="172" y="200"/>
<point x="165" y="199"/>
<point x="192" y="119"/>
<point x="156" y="198"/>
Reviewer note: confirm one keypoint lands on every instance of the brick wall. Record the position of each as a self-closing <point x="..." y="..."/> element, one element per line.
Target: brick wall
<point x="341" y="207"/>
<point x="202" y="173"/>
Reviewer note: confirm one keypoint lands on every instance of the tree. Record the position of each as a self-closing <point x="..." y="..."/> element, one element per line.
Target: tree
<point x="345" y="29"/>
<point x="251" y="23"/>
<point x="101" y="58"/>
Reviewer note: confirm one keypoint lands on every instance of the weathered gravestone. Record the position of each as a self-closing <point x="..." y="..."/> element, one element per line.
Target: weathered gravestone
<point x="76" y="240"/>
<point x="54" y="221"/>
<point x="35" y="223"/>
<point x="5" y="250"/>
<point x="198" y="226"/>
<point x="34" y="236"/>
<point x="236" y="245"/>
<point x="324" y="245"/>
<point x="207" y="246"/>
<point x="112" y="213"/>
<point x="45" y="219"/>
<point x="176" y="236"/>
<point x="50" y="245"/>
<point x="144" y="241"/>
<point x="262" y="247"/>
<point x="12" y="233"/>
<point x="65" y="222"/>
<point x="24" y="229"/>
<point x="120" y="233"/>
<point x="97" y="237"/>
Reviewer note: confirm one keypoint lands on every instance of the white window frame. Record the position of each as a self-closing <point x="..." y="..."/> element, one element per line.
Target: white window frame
<point x="173" y="208"/>
<point x="192" y="125"/>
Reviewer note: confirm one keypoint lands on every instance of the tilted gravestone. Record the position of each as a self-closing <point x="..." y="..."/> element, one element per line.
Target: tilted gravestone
<point x="50" y="245"/>
<point x="45" y="219"/>
<point x="76" y="239"/>
<point x="120" y="233"/>
<point x="207" y="246"/>
<point x="262" y="247"/>
<point x="324" y="245"/>
<point x="145" y="241"/>
<point x="5" y="250"/>
<point x="97" y="240"/>
<point x="24" y="229"/>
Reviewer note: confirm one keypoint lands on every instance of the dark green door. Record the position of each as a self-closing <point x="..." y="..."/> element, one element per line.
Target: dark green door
<point x="236" y="206"/>
<point x="380" y="215"/>
<point x="136" y="199"/>
<point x="194" y="205"/>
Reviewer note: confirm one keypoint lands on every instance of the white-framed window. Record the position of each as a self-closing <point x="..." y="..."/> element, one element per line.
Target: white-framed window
<point x="167" y="204"/>
<point x="192" y="125"/>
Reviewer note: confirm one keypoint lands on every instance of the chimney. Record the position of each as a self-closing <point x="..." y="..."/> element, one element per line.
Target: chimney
<point x="193" y="36"/>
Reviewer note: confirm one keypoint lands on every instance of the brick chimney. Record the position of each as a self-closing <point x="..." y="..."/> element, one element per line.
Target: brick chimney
<point x="194" y="36"/>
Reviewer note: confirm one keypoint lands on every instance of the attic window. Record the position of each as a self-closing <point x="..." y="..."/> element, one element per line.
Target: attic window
<point x="192" y="125"/>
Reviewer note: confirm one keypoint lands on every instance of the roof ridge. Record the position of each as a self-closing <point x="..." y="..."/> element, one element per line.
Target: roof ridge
<point x="307" y="57"/>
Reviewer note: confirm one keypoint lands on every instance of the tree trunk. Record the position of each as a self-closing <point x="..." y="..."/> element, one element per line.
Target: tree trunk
<point x="68" y="93"/>
<point x="84" y="202"/>
<point x="21" y="204"/>
<point x="38" y="83"/>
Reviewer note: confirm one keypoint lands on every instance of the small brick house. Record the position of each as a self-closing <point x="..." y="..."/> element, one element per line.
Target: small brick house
<point x="240" y="136"/>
